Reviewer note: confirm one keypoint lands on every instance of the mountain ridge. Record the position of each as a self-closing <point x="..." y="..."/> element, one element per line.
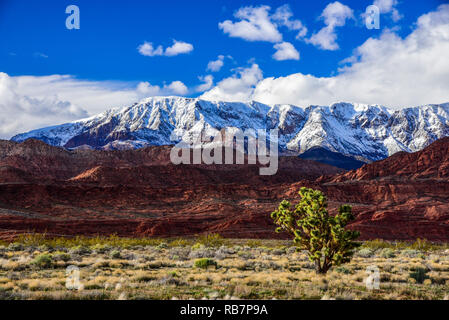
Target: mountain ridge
<point x="365" y="132"/>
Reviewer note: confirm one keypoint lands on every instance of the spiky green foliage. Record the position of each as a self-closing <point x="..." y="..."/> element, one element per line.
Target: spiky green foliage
<point x="324" y="236"/>
<point x="204" y="263"/>
<point x="43" y="260"/>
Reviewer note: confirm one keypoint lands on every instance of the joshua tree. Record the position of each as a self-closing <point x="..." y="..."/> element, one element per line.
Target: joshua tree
<point x="322" y="235"/>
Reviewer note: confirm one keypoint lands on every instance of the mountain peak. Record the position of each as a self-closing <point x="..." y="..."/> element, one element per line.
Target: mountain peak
<point x="371" y="132"/>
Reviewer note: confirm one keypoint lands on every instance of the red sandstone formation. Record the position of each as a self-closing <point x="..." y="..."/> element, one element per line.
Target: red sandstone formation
<point x="140" y="193"/>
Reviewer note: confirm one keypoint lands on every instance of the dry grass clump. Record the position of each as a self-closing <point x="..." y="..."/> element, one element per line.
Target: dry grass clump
<point x="209" y="267"/>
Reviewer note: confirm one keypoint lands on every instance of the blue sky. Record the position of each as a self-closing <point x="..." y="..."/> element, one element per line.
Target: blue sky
<point x="297" y="52"/>
<point x="36" y="42"/>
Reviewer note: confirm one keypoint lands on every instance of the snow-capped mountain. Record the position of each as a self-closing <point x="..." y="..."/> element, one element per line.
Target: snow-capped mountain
<point x="370" y="132"/>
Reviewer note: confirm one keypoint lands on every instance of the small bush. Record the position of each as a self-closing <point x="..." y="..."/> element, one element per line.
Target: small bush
<point x="101" y="248"/>
<point x="343" y="270"/>
<point x="204" y="263"/>
<point x="62" y="256"/>
<point x="198" y="246"/>
<point x="43" y="261"/>
<point x="365" y="253"/>
<point x="15" y="246"/>
<point x="211" y="240"/>
<point x="419" y="274"/>
<point x="254" y="243"/>
<point x="410" y="253"/>
<point x="162" y="245"/>
<point x="81" y="250"/>
<point x="115" y="254"/>
<point x="387" y="253"/>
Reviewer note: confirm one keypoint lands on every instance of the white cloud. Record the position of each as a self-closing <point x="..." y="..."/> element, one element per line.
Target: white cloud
<point x="207" y="82"/>
<point x="283" y="16"/>
<point x="40" y="55"/>
<point x="147" y="49"/>
<point x="31" y="102"/>
<point x="20" y="112"/>
<point x="216" y="65"/>
<point x="389" y="70"/>
<point x="254" y="25"/>
<point x="285" y="51"/>
<point x="177" y="87"/>
<point x="238" y="87"/>
<point x="257" y="24"/>
<point x="388" y="6"/>
<point x="178" y="47"/>
<point x="334" y="15"/>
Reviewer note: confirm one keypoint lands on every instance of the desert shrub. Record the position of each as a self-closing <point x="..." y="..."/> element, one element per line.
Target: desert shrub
<point x="173" y="274"/>
<point x="204" y="263"/>
<point x="277" y="252"/>
<point x="410" y="253"/>
<point x="211" y="240"/>
<point x="292" y="250"/>
<point x="115" y="254"/>
<point x="365" y="253"/>
<point x="180" y="243"/>
<point x="80" y="250"/>
<point x="205" y="253"/>
<point x="162" y="245"/>
<point x="61" y="256"/>
<point x="245" y="255"/>
<point x="15" y="246"/>
<point x="180" y="254"/>
<point x="43" y="261"/>
<point x="226" y="250"/>
<point x="223" y="252"/>
<point x="101" y="248"/>
<point x="419" y="274"/>
<point x="324" y="237"/>
<point x="387" y="253"/>
<point x="198" y="246"/>
<point x="343" y="270"/>
<point x="377" y="244"/>
<point x="253" y="243"/>
<point x="422" y="244"/>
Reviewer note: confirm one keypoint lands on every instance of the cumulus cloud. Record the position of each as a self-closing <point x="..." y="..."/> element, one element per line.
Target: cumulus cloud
<point x="216" y="65"/>
<point x="146" y="89"/>
<point x="207" y="82"/>
<point x="257" y="24"/>
<point x="254" y="25"/>
<point x="178" y="47"/>
<point x="20" y="112"/>
<point x="334" y="15"/>
<point x="389" y="70"/>
<point x="285" y="51"/>
<point x="177" y="87"/>
<point x="238" y="87"/>
<point x="147" y="49"/>
<point x="388" y="6"/>
<point x="31" y="102"/>
<point x="283" y="16"/>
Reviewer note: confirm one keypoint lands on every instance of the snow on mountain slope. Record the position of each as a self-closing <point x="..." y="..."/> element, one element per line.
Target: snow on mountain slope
<point x="370" y="132"/>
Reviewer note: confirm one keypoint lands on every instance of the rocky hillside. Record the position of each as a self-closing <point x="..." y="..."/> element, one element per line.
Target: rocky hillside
<point x="139" y="193"/>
